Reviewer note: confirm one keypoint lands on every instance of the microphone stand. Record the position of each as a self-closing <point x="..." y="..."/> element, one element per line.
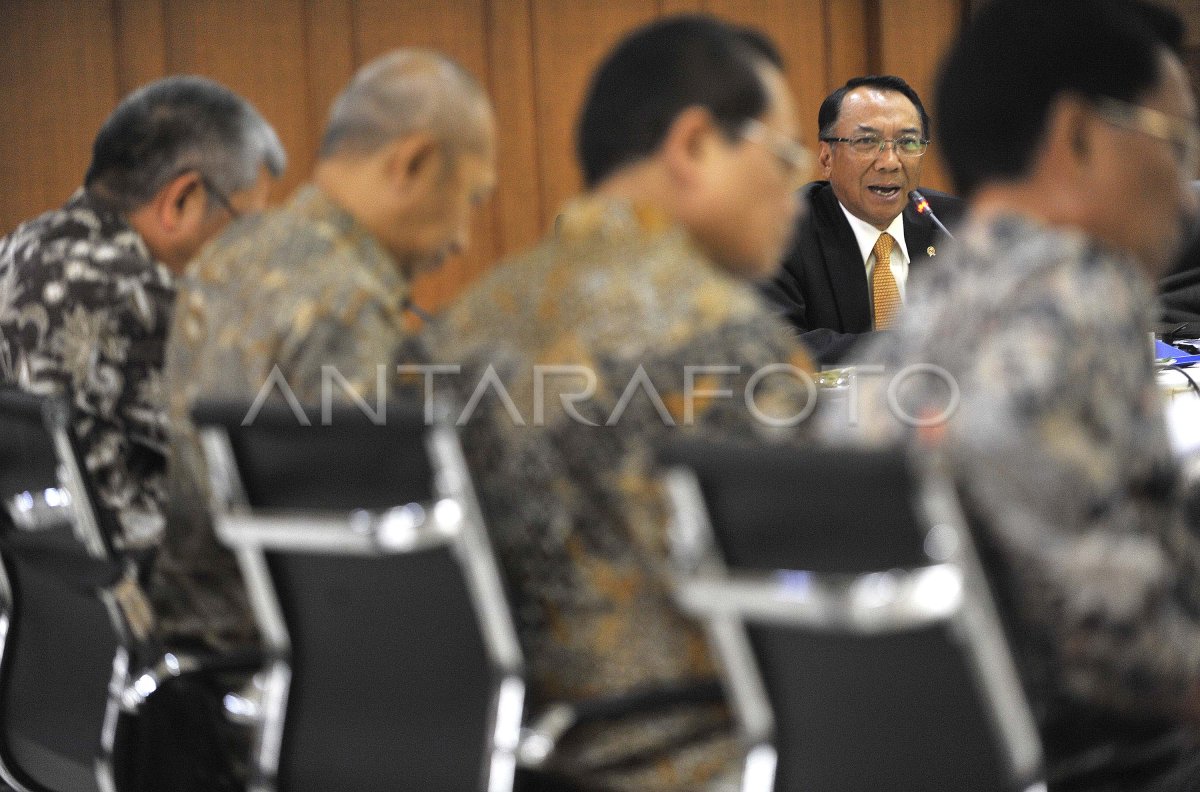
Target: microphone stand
<point x="924" y="208"/>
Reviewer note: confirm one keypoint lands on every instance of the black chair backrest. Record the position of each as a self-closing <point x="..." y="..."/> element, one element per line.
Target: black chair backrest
<point x="341" y="461"/>
<point x="393" y="682"/>
<point x="871" y="629"/>
<point x="56" y="659"/>
<point x="774" y="508"/>
<point x="390" y="679"/>
<point x="28" y="461"/>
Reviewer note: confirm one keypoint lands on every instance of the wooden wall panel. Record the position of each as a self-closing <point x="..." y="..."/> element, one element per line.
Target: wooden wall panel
<point x="459" y="29"/>
<point x="912" y="33"/>
<point x="668" y="7"/>
<point x="847" y="43"/>
<point x="140" y="42"/>
<point x="57" y="85"/>
<point x="519" y="217"/>
<point x="1190" y="11"/>
<point x="798" y="29"/>
<point x="569" y="41"/>
<point x="330" y="60"/>
<point x="65" y="63"/>
<point x="258" y="50"/>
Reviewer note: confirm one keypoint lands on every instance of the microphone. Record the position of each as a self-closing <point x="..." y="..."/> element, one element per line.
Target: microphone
<point x="924" y="208"/>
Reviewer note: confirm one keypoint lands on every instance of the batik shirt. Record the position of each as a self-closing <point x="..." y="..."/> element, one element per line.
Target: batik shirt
<point x="263" y="309"/>
<point x="84" y="312"/>
<point x="1059" y="443"/>
<point x="617" y="294"/>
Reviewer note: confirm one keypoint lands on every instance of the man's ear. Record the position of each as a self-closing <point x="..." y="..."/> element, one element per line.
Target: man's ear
<point x="688" y="143"/>
<point x="1070" y="123"/>
<point x="825" y="158"/>
<point x="413" y="161"/>
<point x="172" y="222"/>
<point x="181" y="204"/>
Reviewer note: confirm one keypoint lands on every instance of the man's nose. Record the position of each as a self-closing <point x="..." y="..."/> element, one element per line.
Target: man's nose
<point x="887" y="159"/>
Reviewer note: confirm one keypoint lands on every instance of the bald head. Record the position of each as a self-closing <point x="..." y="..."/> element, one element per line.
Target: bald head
<point x="405" y="92"/>
<point x="409" y="152"/>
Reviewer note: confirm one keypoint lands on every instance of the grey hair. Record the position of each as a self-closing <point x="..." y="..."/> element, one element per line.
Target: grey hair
<point x="178" y="124"/>
<point x="406" y="91"/>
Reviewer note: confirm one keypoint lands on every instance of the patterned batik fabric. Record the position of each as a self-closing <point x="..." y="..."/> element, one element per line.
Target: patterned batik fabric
<point x="263" y="310"/>
<point x="621" y="303"/>
<point x="1059" y="445"/>
<point x="84" y="312"/>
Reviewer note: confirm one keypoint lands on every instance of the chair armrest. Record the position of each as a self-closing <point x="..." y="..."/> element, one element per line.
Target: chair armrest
<point x="173" y="665"/>
<point x="543" y="734"/>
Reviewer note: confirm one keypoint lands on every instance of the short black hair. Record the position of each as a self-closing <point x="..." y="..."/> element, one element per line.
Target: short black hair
<point x="656" y="73"/>
<point x="1002" y="74"/>
<point x="174" y="125"/>
<point x="831" y="108"/>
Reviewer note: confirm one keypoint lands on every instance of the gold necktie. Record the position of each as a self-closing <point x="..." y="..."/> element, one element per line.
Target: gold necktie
<point x="885" y="294"/>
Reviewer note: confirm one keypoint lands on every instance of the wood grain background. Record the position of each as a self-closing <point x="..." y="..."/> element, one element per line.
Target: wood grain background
<point x="65" y="63"/>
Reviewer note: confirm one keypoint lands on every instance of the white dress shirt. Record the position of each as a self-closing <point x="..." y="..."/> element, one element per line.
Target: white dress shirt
<point x="867" y="235"/>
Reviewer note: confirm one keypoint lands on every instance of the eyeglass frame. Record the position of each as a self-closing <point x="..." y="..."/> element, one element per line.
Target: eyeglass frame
<point x="883" y="144"/>
<point x="1182" y="134"/>
<point x="221" y="198"/>
<point x="796" y="157"/>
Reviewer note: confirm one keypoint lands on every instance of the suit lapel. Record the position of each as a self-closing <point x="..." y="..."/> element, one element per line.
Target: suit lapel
<point x="845" y="270"/>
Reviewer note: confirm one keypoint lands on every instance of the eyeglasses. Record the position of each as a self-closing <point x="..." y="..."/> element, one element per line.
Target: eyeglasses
<point x="873" y="145"/>
<point x="796" y="159"/>
<point x="220" y="197"/>
<point x="1180" y="133"/>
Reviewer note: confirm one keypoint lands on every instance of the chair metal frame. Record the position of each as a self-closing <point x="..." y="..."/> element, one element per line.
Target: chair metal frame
<point x="453" y="519"/>
<point x="70" y="504"/>
<point x="951" y="590"/>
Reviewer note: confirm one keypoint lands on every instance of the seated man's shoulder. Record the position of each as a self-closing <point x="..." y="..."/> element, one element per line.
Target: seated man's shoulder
<point x="665" y="311"/>
<point x="815" y="195"/>
<point x="97" y="243"/>
<point x="285" y="254"/>
<point x="656" y="295"/>
<point x="501" y="307"/>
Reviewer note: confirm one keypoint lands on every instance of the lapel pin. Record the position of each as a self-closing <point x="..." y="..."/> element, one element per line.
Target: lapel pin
<point x="931" y="251"/>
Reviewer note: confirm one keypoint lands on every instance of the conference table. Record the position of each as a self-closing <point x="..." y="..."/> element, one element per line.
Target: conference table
<point x="1181" y="398"/>
<point x="1180" y="389"/>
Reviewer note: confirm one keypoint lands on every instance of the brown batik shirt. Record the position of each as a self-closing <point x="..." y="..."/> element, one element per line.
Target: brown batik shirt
<point x="1054" y="428"/>
<point x="621" y="305"/>
<point x="84" y="312"/>
<point x="278" y="303"/>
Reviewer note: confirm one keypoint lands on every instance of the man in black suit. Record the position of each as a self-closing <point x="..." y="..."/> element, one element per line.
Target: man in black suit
<point x="873" y="131"/>
<point x="1179" y="289"/>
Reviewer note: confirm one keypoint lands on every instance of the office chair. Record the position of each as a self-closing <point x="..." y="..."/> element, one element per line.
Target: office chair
<point x="66" y="644"/>
<point x="844" y="597"/>
<point x="393" y="661"/>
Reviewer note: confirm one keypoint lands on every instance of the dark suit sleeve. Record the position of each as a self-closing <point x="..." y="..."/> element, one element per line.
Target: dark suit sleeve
<point x="1180" y="296"/>
<point x="784" y="295"/>
<point x="802" y="292"/>
<point x="828" y="347"/>
<point x="1180" y="290"/>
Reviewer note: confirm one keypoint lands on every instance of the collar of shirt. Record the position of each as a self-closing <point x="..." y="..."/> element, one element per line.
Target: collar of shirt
<point x="592" y="215"/>
<point x="867" y="234"/>
<point x="107" y="225"/>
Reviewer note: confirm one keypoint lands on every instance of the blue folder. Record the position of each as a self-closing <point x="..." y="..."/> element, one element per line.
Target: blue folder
<point x="1173" y="355"/>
